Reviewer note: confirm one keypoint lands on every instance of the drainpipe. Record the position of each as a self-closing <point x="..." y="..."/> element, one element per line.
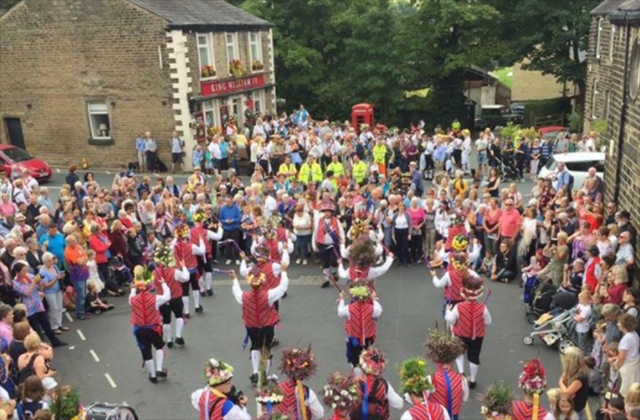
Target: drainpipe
<point x="623" y="111"/>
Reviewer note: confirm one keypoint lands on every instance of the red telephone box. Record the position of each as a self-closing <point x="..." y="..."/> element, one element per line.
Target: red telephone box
<point x="361" y="114"/>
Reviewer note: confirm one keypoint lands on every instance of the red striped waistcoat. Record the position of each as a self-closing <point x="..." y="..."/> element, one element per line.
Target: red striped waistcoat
<point x="378" y="402"/>
<point x="439" y="395"/>
<point x="452" y="292"/>
<point x="169" y="276"/>
<point x="454" y="231"/>
<point x="470" y="322"/>
<point x="274" y="252"/>
<point x="271" y="280"/>
<point x="256" y="311"/>
<point x="360" y="323"/>
<point x="432" y="411"/>
<point x="358" y="273"/>
<point x="184" y="251"/>
<point x="333" y="226"/>
<point x="523" y="410"/>
<point x="289" y="404"/>
<point x="198" y="233"/>
<point x="282" y="236"/>
<point x="143" y="310"/>
<point x="216" y="403"/>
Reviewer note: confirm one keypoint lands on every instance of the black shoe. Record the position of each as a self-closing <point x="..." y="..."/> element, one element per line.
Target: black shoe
<point x="285" y="295"/>
<point x="180" y="341"/>
<point x="170" y="344"/>
<point x="275" y="342"/>
<point x="153" y="379"/>
<point x="472" y="385"/>
<point x="254" y="378"/>
<point x="58" y="343"/>
<point x="186" y="316"/>
<point x="209" y="292"/>
<point x="162" y="374"/>
<point x="199" y="310"/>
<point x="325" y="284"/>
<point x="202" y="294"/>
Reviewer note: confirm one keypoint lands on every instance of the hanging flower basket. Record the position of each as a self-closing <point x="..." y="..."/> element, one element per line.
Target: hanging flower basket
<point x="257" y="65"/>
<point x="235" y="68"/>
<point x="207" y="71"/>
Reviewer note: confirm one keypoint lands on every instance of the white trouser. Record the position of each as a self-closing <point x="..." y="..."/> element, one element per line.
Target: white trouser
<point x="54" y="300"/>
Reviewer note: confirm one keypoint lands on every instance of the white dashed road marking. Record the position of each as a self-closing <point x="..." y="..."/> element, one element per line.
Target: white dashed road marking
<point x="95" y="356"/>
<point x="82" y="337"/>
<point x="68" y="317"/>
<point x="110" y="380"/>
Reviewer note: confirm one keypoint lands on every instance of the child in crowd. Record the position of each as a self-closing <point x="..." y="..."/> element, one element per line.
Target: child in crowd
<point x="553" y="395"/>
<point x="475" y="249"/>
<point x="93" y="303"/>
<point x="582" y="318"/>
<point x="596" y="351"/>
<point x="487" y="263"/>
<point x="93" y="270"/>
<point x="565" y="409"/>
<point x="595" y="377"/>
<point x="596" y="304"/>
<point x="69" y="299"/>
<point x="611" y="353"/>
<point x="440" y="256"/>
<point x="531" y="270"/>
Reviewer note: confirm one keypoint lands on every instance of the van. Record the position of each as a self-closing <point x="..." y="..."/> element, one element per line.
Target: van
<point x="577" y="163"/>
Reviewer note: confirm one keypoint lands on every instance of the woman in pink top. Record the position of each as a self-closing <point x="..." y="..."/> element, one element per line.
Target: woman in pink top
<point x="6" y="323"/>
<point x="418" y="216"/>
<point x="7" y="208"/>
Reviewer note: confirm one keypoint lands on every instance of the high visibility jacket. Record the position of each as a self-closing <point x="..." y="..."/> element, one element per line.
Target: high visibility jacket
<point x="359" y="171"/>
<point x="337" y="168"/>
<point x="379" y="153"/>
<point x="310" y="173"/>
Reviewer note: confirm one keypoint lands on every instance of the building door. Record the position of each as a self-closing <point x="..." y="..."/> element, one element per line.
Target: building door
<point x="14" y="129"/>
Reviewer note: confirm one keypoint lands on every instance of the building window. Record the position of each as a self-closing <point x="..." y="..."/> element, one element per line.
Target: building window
<point x="99" y="120"/>
<point x="599" y="38"/>
<point x="211" y="110"/>
<point x="594" y="99"/>
<point x="232" y="46"/>
<point x="612" y="43"/>
<point x="205" y="54"/>
<point x="255" y="50"/>
<point x="258" y="101"/>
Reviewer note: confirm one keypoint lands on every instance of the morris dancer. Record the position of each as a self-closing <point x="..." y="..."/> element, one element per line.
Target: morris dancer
<point x="146" y="321"/>
<point x="457" y="270"/>
<point x="457" y="230"/>
<point x="451" y="388"/>
<point x="276" y="238"/>
<point x="164" y="272"/>
<point x="345" y="388"/>
<point x="328" y="234"/>
<point x="361" y="314"/>
<point x="362" y="258"/>
<point x="469" y="319"/>
<point x="532" y="382"/>
<point x="361" y="229"/>
<point x="298" y="365"/>
<point x="259" y="314"/>
<point x="378" y="394"/>
<point x="416" y="386"/>
<point x="200" y="234"/>
<point x="185" y="251"/>
<point x="219" y="400"/>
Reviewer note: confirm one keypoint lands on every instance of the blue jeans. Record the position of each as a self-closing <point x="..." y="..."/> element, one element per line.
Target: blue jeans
<point x="302" y="245"/>
<point x="80" y="287"/>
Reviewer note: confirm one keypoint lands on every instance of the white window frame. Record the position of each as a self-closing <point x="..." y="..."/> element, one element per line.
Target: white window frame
<point x="259" y="97"/>
<point x="607" y="104"/>
<point x="258" y="45"/>
<point x="594" y="99"/>
<point x="233" y="46"/>
<point x="612" y="42"/>
<point x="212" y="106"/>
<point x="96" y="130"/>
<point x="599" y="38"/>
<point x="209" y="46"/>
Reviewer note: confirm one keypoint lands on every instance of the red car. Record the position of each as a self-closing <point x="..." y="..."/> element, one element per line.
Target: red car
<point x="11" y="156"/>
<point x="551" y="132"/>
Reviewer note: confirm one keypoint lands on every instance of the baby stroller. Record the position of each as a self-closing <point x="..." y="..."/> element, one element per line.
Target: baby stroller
<point x="508" y="169"/>
<point x="120" y="272"/>
<point x="553" y="329"/>
<point x="541" y="298"/>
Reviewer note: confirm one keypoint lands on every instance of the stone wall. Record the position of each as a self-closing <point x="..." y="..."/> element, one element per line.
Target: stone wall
<point x="57" y="55"/>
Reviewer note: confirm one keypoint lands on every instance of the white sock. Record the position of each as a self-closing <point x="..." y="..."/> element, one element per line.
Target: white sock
<point x="179" y="327"/>
<point x="159" y="359"/>
<point x="268" y="365"/>
<point x="185" y="305"/>
<point x="255" y="360"/>
<point x="166" y="330"/>
<point x="473" y="371"/>
<point x="208" y="279"/>
<point x="460" y="363"/>
<point x="196" y="298"/>
<point x="150" y="367"/>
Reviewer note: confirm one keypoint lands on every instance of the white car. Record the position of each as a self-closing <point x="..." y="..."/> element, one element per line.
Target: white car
<point x="577" y="163"/>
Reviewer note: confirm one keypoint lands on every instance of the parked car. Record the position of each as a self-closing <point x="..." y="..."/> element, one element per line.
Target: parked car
<point x="577" y="163"/>
<point x="14" y="156"/>
<point x="517" y="108"/>
<point x="493" y="116"/>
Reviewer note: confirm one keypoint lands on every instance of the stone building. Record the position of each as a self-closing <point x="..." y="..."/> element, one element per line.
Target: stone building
<point x="613" y="86"/>
<point x="81" y="78"/>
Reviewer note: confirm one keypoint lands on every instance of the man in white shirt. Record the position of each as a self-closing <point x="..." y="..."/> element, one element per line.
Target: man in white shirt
<point x="176" y="152"/>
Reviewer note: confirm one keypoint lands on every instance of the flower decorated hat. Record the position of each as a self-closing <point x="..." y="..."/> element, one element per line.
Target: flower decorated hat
<point x="270" y="394"/>
<point x="496" y="404"/>
<point x="414" y="377"/>
<point x="163" y="255"/>
<point x="261" y="252"/>
<point x="199" y="216"/>
<point x="442" y="348"/>
<point x="182" y="231"/>
<point x="362" y="252"/>
<point x="256" y="277"/>
<point x="361" y="289"/>
<point x="533" y="379"/>
<point x="472" y="287"/>
<point x="67" y="404"/>
<point x="217" y="372"/>
<point x="327" y="205"/>
<point x="372" y="361"/>
<point x="460" y="243"/>
<point x="341" y="392"/>
<point x="298" y="364"/>
<point x="460" y="261"/>
<point x="358" y="227"/>
<point x="142" y="278"/>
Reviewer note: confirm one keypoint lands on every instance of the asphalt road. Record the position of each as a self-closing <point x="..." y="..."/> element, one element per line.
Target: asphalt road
<point x="103" y="361"/>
